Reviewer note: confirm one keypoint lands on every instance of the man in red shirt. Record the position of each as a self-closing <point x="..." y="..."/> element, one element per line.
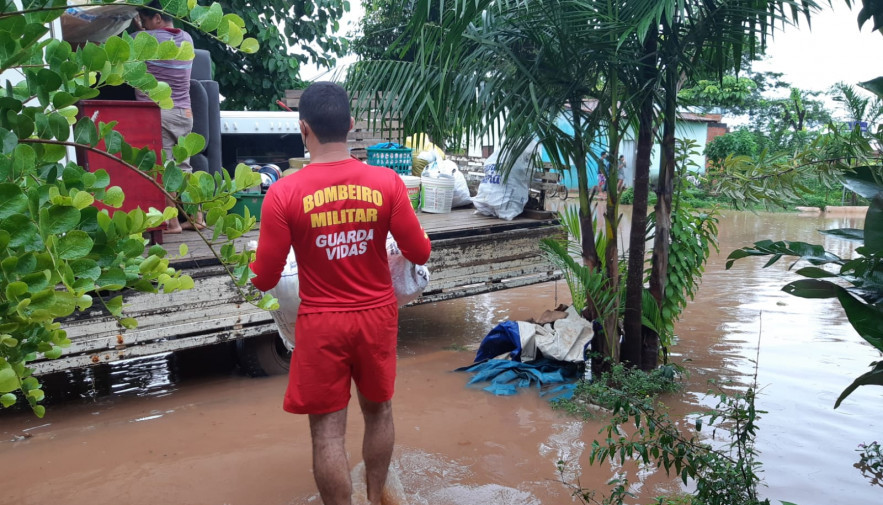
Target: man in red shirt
<point x="336" y="213"/>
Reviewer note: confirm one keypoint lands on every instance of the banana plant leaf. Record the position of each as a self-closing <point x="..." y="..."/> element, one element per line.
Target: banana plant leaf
<point x="865" y="318"/>
<point x="865" y="181"/>
<point x="812" y="253"/>
<point x="846" y="233"/>
<point x="874" y="377"/>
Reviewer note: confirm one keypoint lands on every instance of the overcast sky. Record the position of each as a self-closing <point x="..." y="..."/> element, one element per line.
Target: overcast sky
<point x="833" y="50"/>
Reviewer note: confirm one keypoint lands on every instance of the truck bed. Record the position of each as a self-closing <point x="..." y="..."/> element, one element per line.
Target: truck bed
<point x="471" y="254"/>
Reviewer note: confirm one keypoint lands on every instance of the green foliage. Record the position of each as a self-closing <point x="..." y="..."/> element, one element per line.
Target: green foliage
<point x="784" y="123"/>
<point x="781" y="118"/>
<point x="380" y="28"/>
<point x="780" y="179"/>
<point x="619" y="380"/>
<point x="290" y="33"/>
<point x="729" y="91"/>
<point x="737" y="143"/>
<point x="58" y="253"/>
<point x="859" y="286"/>
<point x="727" y="475"/>
<point x="871" y="461"/>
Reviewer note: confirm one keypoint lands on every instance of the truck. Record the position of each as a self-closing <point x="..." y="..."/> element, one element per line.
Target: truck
<point x="472" y="254"/>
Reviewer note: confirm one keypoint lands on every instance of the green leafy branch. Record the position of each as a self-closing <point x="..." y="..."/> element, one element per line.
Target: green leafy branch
<point x="722" y="476"/>
<point x="59" y="252"/>
<point x="213" y="195"/>
<point x="774" y="178"/>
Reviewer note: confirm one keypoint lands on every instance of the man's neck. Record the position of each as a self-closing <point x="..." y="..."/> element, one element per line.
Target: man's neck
<point x="329" y="153"/>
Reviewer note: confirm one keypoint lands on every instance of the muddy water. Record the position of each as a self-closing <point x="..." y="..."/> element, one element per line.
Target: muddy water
<point x="192" y="430"/>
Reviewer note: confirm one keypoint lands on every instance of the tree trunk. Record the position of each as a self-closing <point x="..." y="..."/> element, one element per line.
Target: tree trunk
<point x="590" y="255"/>
<point x="661" y="241"/>
<point x="611" y="224"/>
<point x="632" y="343"/>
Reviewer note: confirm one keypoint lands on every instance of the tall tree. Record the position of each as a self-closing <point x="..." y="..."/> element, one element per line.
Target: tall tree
<point x="290" y="34"/>
<point x="701" y="34"/>
<point x="517" y="68"/>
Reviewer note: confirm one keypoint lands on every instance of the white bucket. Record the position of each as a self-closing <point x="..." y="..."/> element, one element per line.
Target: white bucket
<point x="437" y="194"/>
<point x="413" y="185"/>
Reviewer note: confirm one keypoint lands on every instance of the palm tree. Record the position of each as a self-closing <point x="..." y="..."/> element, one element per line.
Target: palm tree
<point x="516" y="68"/>
<point x="693" y="35"/>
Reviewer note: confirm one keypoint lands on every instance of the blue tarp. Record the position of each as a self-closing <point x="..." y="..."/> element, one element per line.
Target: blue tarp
<point x="504" y="338"/>
<point x="507" y="376"/>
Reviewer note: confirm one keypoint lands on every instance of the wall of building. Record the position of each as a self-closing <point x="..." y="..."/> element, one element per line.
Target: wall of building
<point x="697" y="128"/>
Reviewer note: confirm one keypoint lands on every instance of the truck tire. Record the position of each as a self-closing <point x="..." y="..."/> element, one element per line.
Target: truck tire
<point x="263" y="356"/>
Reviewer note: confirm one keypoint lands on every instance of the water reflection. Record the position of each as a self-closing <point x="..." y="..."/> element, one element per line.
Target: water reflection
<point x="807" y="354"/>
<point x="463" y="446"/>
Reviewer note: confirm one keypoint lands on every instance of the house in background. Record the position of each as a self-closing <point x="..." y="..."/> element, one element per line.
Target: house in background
<point x="701" y="128"/>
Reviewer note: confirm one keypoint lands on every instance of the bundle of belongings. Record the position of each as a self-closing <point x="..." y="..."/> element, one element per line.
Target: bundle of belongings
<point x="504" y="196"/>
<point x="84" y="22"/>
<point x="548" y="353"/>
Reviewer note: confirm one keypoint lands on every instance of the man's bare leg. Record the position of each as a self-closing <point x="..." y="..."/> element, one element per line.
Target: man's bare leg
<point x="330" y="465"/>
<point x="377" y="445"/>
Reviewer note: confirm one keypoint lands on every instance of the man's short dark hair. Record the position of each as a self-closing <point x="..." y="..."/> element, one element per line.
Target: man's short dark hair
<point x="325" y="106"/>
<point x="151" y="12"/>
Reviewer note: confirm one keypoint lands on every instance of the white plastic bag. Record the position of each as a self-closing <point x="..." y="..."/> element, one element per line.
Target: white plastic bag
<point x="461" y="187"/>
<point x="287" y="292"/>
<point x="408" y="280"/>
<point x="505" y="200"/>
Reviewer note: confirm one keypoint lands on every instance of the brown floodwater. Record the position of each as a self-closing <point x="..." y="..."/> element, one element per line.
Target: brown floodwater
<point x="190" y="429"/>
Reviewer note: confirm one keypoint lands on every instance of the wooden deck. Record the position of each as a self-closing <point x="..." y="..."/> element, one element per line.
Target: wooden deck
<point x="471" y="254"/>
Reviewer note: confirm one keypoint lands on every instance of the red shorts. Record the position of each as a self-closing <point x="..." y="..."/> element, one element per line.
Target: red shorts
<point x="334" y="347"/>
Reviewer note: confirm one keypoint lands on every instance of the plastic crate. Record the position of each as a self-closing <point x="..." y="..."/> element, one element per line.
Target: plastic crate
<point x="396" y="159"/>
<point x="252" y="201"/>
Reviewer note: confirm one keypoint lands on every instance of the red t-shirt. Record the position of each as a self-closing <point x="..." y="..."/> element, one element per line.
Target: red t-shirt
<point x="337" y="215"/>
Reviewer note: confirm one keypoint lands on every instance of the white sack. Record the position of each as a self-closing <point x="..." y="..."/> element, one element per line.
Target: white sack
<point x="408" y="280"/>
<point x="287" y="291"/>
<point x="505" y="200"/>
